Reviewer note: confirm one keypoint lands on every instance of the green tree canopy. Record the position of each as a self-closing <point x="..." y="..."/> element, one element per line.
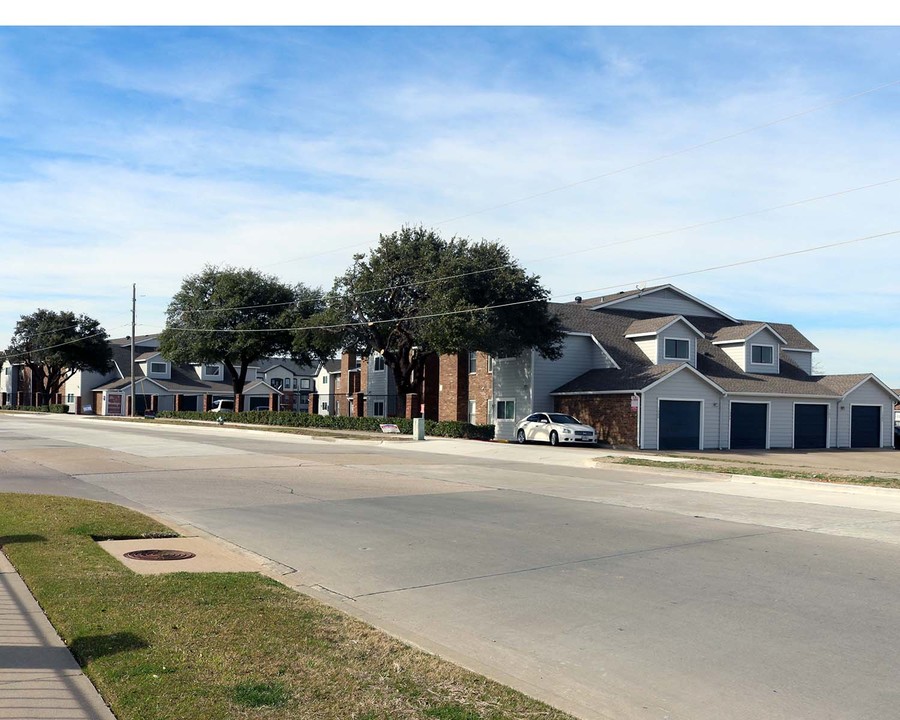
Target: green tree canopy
<point x="56" y="345"/>
<point x="417" y="294"/>
<point x="237" y="316"/>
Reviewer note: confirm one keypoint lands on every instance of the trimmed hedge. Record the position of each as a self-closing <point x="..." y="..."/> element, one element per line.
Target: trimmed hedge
<point x="447" y="428"/>
<point x="37" y="408"/>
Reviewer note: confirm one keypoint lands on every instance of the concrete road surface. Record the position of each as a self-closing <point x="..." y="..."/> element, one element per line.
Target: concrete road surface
<point x="610" y="593"/>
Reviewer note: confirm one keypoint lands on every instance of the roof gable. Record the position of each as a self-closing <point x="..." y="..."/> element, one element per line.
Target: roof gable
<point x="666" y="299"/>
<point x="654" y="326"/>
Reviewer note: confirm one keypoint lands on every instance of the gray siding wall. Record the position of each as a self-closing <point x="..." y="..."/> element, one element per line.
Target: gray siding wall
<point x="580" y="354"/>
<point x="869" y="393"/>
<point x="682" y="332"/>
<point x="513" y="381"/>
<point x="378" y="387"/>
<point x="763" y="337"/>
<point x="666" y="302"/>
<point x="683" y="386"/>
<point x="802" y="359"/>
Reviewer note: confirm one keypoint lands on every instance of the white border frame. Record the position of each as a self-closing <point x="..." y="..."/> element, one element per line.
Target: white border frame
<point x="677" y="359"/>
<point x="505" y="420"/>
<point x="768" y="405"/>
<point x="750" y="360"/>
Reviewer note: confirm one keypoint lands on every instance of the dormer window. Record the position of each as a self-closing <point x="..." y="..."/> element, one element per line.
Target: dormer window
<point x="159" y="368"/>
<point x="677" y="349"/>
<point x="213" y="371"/>
<point x="762" y="354"/>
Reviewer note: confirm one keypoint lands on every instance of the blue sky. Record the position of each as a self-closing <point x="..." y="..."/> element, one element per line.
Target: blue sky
<point x="138" y="155"/>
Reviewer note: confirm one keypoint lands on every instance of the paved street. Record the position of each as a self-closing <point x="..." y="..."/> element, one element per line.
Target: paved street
<point x="611" y="593"/>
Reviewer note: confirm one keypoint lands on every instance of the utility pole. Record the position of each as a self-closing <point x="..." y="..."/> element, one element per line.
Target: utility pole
<point x="133" y="311"/>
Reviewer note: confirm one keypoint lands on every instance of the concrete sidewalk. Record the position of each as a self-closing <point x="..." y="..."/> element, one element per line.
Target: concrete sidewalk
<point x="39" y="678"/>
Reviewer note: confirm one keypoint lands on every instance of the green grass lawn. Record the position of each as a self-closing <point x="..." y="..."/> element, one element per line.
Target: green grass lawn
<point x="229" y="645"/>
<point x="759" y="470"/>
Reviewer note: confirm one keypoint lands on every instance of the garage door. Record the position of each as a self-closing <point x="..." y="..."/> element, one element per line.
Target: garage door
<point x="810" y="426"/>
<point x="748" y="426"/>
<point x="865" y="426"/>
<point x="679" y="424"/>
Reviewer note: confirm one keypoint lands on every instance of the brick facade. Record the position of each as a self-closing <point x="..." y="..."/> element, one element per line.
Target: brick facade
<point x="458" y="387"/>
<point x="610" y="415"/>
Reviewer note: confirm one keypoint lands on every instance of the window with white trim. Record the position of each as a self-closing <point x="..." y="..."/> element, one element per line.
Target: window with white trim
<point x="471" y="414"/>
<point x="490" y="411"/>
<point x="324" y="379"/>
<point x="490" y="363"/>
<point x="762" y="354"/>
<point x="677" y="349"/>
<point x="473" y="362"/>
<point x="212" y="370"/>
<point x="305" y="383"/>
<point x="378" y="363"/>
<point x="70" y="398"/>
<point x="378" y="408"/>
<point x="158" y="367"/>
<point x="506" y="409"/>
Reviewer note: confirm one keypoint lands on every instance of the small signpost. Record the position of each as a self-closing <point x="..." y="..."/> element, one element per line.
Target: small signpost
<point x="635" y="403"/>
<point x="389" y="428"/>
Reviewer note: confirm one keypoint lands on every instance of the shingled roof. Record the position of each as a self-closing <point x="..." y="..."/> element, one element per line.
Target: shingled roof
<point x="609" y="326"/>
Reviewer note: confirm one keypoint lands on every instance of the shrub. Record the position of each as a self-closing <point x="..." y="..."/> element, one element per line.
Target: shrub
<point x="338" y="422"/>
<point x="58" y="408"/>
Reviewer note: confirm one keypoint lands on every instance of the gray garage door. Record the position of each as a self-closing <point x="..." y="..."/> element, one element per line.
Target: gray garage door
<point x="679" y="424"/>
<point x="748" y="426"/>
<point x="865" y="426"/>
<point x="810" y="426"/>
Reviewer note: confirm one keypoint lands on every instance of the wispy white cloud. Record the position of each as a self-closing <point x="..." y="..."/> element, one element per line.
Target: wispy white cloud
<point x="250" y="148"/>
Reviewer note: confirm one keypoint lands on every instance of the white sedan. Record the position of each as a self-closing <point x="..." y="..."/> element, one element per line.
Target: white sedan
<point x="554" y="428"/>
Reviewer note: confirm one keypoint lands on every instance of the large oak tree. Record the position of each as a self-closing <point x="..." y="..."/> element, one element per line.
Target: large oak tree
<point x="56" y="345"/>
<point x="416" y="295"/>
<point x="236" y="316"/>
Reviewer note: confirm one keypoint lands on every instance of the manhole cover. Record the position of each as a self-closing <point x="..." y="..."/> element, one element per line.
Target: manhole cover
<point x="159" y="555"/>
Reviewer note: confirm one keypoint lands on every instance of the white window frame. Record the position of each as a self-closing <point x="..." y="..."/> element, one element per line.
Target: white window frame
<point x="490" y="363"/>
<point x="305" y="384"/>
<point x="490" y="411"/>
<point x="497" y="413"/>
<point x="471" y="411"/>
<point x="375" y="408"/>
<point x="472" y="362"/>
<point x="376" y="361"/>
<point x="217" y="373"/>
<point x="666" y="356"/>
<point x="165" y="367"/>
<point x="325" y="379"/>
<point x="761" y="362"/>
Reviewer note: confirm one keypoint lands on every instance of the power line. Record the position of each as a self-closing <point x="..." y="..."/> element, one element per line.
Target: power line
<point x="675" y="153"/>
<point x="661" y="233"/>
<point x="5" y="356"/>
<point x="642" y="163"/>
<point x="538" y="300"/>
